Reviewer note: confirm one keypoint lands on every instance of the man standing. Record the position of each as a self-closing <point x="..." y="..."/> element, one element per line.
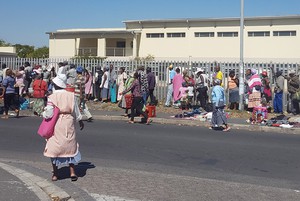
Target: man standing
<point x="170" y="86"/>
<point x="79" y="93"/>
<point x="278" y="92"/>
<point x="293" y="87"/>
<point x="219" y="74"/>
<point x="201" y="87"/>
<point x="71" y="75"/>
<point x="151" y="85"/>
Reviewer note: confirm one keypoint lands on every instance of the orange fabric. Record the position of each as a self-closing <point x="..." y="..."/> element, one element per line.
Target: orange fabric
<point x="39" y="88"/>
<point x="231" y="83"/>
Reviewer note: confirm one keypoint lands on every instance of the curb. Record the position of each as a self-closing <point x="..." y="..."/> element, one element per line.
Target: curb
<point x="43" y="189"/>
<point x="184" y="122"/>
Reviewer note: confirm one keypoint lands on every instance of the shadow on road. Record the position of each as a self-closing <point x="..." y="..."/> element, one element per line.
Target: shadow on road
<point x="81" y="169"/>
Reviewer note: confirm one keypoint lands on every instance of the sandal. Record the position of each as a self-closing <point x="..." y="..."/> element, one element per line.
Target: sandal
<point x="74" y="178"/>
<point x="226" y="129"/>
<point x="149" y="121"/>
<point x="4" y="117"/>
<point x="54" y="178"/>
<point x="131" y="122"/>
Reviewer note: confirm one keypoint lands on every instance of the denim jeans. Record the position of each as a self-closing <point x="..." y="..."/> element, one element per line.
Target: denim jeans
<point x="169" y="95"/>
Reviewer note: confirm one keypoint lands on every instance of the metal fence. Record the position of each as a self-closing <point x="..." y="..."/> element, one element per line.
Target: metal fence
<point x="160" y="68"/>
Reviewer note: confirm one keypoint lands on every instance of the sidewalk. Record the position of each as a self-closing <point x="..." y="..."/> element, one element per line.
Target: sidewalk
<point x="166" y="118"/>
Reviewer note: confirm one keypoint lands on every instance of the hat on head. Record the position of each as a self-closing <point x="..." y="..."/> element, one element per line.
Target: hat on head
<point x="264" y="73"/>
<point x="199" y="70"/>
<point x="292" y="72"/>
<point x="60" y="80"/>
<point x="217" y="81"/>
<point x="79" y="69"/>
<point x="253" y="71"/>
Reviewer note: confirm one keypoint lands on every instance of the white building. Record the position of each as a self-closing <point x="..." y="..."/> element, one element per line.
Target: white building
<point x="265" y="39"/>
<point x="8" y="51"/>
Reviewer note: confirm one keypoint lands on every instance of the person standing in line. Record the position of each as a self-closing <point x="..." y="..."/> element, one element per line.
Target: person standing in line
<point x="62" y="148"/>
<point x="293" y="87"/>
<point x="151" y="85"/>
<point x="40" y="88"/>
<point x="28" y="76"/>
<point x="20" y="76"/>
<point x="79" y="93"/>
<point x="62" y="68"/>
<point x="98" y="79"/>
<point x="71" y="75"/>
<point x="88" y="84"/>
<point x="137" y="102"/>
<point x="177" y="83"/>
<point x="219" y="102"/>
<point x="266" y="88"/>
<point x="112" y="84"/>
<point x="144" y="83"/>
<point x="279" y="83"/>
<point x="233" y="87"/>
<point x="10" y="94"/>
<point x="105" y="85"/>
<point x="201" y="87"/>
<point x="122" y="77"/>
<point x="172" y="73"/>
<point x="254" y="90"/>
<point x="218" y="74"/>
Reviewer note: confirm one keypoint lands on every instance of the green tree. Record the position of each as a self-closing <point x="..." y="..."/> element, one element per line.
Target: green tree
<point x="24" y="51"/>
<point x="42" y="52"/>
<point x="3" y="43"/>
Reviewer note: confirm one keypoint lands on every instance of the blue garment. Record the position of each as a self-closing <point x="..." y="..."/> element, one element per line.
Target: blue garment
<point x="9" y="84"/>
<point x="113" y="93"/>
<point x="172" y="74"/>
<point x="218" y="96"/>
<point x="62" y="161"/>
<point x="278" y="102"/>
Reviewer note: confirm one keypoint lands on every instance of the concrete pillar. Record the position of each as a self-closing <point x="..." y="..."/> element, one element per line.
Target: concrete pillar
<point x="134" y="49"/>
<point x="77" y="45"/>
<point x="101" y="48"/>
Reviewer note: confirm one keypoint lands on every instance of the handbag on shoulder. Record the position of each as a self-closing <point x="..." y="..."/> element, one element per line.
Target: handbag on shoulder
<point x="46" y="129"/>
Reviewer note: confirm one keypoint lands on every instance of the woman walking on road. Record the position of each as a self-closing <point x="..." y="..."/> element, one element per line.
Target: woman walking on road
<point x="218" y="100"/>
<point x="62" y="147"/>
<point x="137" y="103"/>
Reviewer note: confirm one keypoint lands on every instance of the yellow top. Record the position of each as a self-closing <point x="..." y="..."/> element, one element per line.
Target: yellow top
<point x="219" y="75"/>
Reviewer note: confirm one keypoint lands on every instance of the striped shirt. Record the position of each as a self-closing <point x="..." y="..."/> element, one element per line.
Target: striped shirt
<point x="79" y="83"/>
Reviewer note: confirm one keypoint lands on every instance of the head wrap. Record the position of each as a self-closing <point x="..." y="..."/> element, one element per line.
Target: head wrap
<point x="253" y="71"/>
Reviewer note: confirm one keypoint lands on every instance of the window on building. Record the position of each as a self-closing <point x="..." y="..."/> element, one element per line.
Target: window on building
<point x="228" y="34"/>
<point x="175" y="35"/>
<point x="258" y="33"/>
<point x="155" y="35"/>
<point x="204" y="34"/>
<point x="284" y="33"/>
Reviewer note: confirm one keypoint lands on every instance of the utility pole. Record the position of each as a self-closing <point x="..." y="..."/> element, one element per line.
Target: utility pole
<point x="241" y="64"/>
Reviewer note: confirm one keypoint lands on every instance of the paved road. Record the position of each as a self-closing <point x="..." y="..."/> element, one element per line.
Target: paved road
<point x="166" y="162"/>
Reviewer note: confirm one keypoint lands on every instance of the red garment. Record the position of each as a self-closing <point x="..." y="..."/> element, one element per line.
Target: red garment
<point x="39" y="88"/>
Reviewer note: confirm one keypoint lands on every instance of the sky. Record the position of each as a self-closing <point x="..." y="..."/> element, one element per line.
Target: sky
<point x="27" y="21"/>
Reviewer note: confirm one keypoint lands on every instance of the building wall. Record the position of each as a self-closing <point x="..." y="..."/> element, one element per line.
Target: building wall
<point x="272" y="47"/>
<point x="62" y="47"/>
